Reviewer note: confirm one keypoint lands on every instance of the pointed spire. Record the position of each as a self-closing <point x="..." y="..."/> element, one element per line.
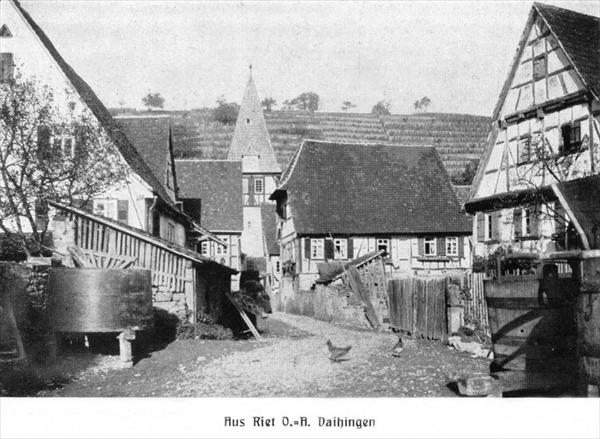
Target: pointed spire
<point x="251" y="137"/>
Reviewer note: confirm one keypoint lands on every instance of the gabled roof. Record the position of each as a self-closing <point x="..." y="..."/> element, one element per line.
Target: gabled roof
<point x="129" y="153"/>
<point x="579" y="36"/>
<point x="370" y="189"/>
<point x="269" y="226"/>
<point x="251" y="136"/>
<point x="150" y="137"/>
<point x="218" y="184"/>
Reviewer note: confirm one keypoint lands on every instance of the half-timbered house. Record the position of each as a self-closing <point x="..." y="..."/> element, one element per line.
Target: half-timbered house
<point x="338" y="201"/>
<point x="545" y="133"/>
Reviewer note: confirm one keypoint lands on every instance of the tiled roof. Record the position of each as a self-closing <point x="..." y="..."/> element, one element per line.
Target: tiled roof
<point x="129" y="153"/>
<point x="579" y="35"/>
<point x="150" y="137"/>
<point x="251" y="136"/>
<point x="269" y="226"/>
<point x="218" y="183"/>
<point x="370" y="189"/>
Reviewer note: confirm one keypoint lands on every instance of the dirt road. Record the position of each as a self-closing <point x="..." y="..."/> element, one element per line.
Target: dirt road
<point x="291" y="361"/>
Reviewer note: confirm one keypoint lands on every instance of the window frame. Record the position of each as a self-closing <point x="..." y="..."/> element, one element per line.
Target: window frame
<point x="171" y="232"/>
<point x="317" y="248"/>
<point x="382" y="242"/>
<point x="535" y="73"/>
<point x="489" y="227"/>
<point x="574" y="142"/>
<point x="449" y="241"/>
<point x="343" y="246"/>
<point x="520" y="141"/>
<point x="432" y="243"/>
<point x="260" y="181"/>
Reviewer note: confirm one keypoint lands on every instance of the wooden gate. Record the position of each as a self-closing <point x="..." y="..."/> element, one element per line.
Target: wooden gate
<point x="418" y="305"/>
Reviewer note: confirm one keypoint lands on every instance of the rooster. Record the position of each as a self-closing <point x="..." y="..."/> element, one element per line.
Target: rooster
<point x="337" y="353"/>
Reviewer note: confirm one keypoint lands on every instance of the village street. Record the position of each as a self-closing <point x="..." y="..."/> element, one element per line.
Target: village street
<point x="291" y="361"/>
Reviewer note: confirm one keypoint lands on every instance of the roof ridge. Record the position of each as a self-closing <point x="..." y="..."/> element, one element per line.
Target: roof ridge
<point x="558" y="8"/>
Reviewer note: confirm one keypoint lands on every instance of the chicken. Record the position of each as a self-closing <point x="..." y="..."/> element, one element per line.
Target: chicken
<point x="337" y="353"/>
<point x="398" y="348"/>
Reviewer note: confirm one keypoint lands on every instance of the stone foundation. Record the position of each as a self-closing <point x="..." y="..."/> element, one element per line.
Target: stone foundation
<point x="170" y="300"/>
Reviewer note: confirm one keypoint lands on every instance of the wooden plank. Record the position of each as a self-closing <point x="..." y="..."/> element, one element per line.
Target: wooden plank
<point x="357" y="285"/>
<point x="245" y="318"/>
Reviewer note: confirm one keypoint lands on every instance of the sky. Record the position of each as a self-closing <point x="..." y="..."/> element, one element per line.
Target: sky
<point x="455" y="52"/>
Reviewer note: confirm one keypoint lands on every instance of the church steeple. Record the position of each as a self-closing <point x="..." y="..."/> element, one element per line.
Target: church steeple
<point x="251" y="142"/>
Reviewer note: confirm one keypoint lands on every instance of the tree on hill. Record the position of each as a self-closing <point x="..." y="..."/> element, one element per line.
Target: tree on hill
<point x="346" y="105"/>
<point x="48" y="154"/>
<point x="422" y="104"/>
<point x="382" y="108"/>
<point x="225" y="112"/>
<point x="308" y="101"/>
<point x="153" y="100"/>
<point x="268" y="104"/>
<point x="469" y="172"/>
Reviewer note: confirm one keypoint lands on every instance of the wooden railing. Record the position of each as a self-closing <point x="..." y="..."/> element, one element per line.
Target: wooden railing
<point x="171" y="266"/>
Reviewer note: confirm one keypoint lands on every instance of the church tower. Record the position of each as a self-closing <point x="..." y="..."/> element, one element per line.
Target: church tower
<point x="251" y="145"/>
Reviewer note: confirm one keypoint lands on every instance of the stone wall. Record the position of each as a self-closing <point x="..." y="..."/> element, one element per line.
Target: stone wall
<point x="172" y="301"/>
<point x="333" y="303"/>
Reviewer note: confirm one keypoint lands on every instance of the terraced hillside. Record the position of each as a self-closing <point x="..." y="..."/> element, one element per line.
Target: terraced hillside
<point x="458" y="138"/>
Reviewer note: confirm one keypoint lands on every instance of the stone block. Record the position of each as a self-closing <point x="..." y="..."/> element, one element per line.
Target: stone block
<point x="163" y="297"/>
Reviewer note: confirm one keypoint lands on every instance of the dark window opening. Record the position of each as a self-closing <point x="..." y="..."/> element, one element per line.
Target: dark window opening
<point x="123" y="210"/>
<point x="570" y="138"/>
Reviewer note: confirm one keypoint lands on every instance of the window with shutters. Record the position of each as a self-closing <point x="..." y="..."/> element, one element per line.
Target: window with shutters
<point x="317" y="249"/>
<point x="452" y="246"/>
<point x="7" y="73"/>
<point x="524" y="149"/>
<point x="123" y="210"/>
<point x="429" y="247"/>
<point x="383" y="245"/>
<point x="340" y="247"/>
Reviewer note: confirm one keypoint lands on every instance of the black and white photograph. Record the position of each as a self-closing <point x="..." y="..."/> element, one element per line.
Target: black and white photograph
<point x="355" y="208"/>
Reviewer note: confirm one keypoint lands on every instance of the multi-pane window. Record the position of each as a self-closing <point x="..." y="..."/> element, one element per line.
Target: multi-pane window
<point x="277" y="267"/>
<point x="6" y="67"/>
<point x="429" y="247"/>
<point x="452" y="246"/>
<point x="171" y="232"/>
<point x="63" y="143"/>
<point x="383" y="245"/>
<point x="539" y="68"/>
<point x="570" y="138"/>
<point x="527" y="222"/>
<point x="123" y="210"/>
<point x="524" y="149"/>
<point x="259" y="187"/>
<point x="204" y="248"/>
<point x="340" y="249"/>
<point x="317" y="250"/>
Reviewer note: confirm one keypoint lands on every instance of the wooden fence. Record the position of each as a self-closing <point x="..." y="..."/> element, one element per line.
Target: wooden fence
<point x="476" y="307"/>
<point x="418" y="305"/>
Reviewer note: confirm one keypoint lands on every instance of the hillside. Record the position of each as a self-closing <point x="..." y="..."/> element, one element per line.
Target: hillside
<point x="458" y="138"/>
